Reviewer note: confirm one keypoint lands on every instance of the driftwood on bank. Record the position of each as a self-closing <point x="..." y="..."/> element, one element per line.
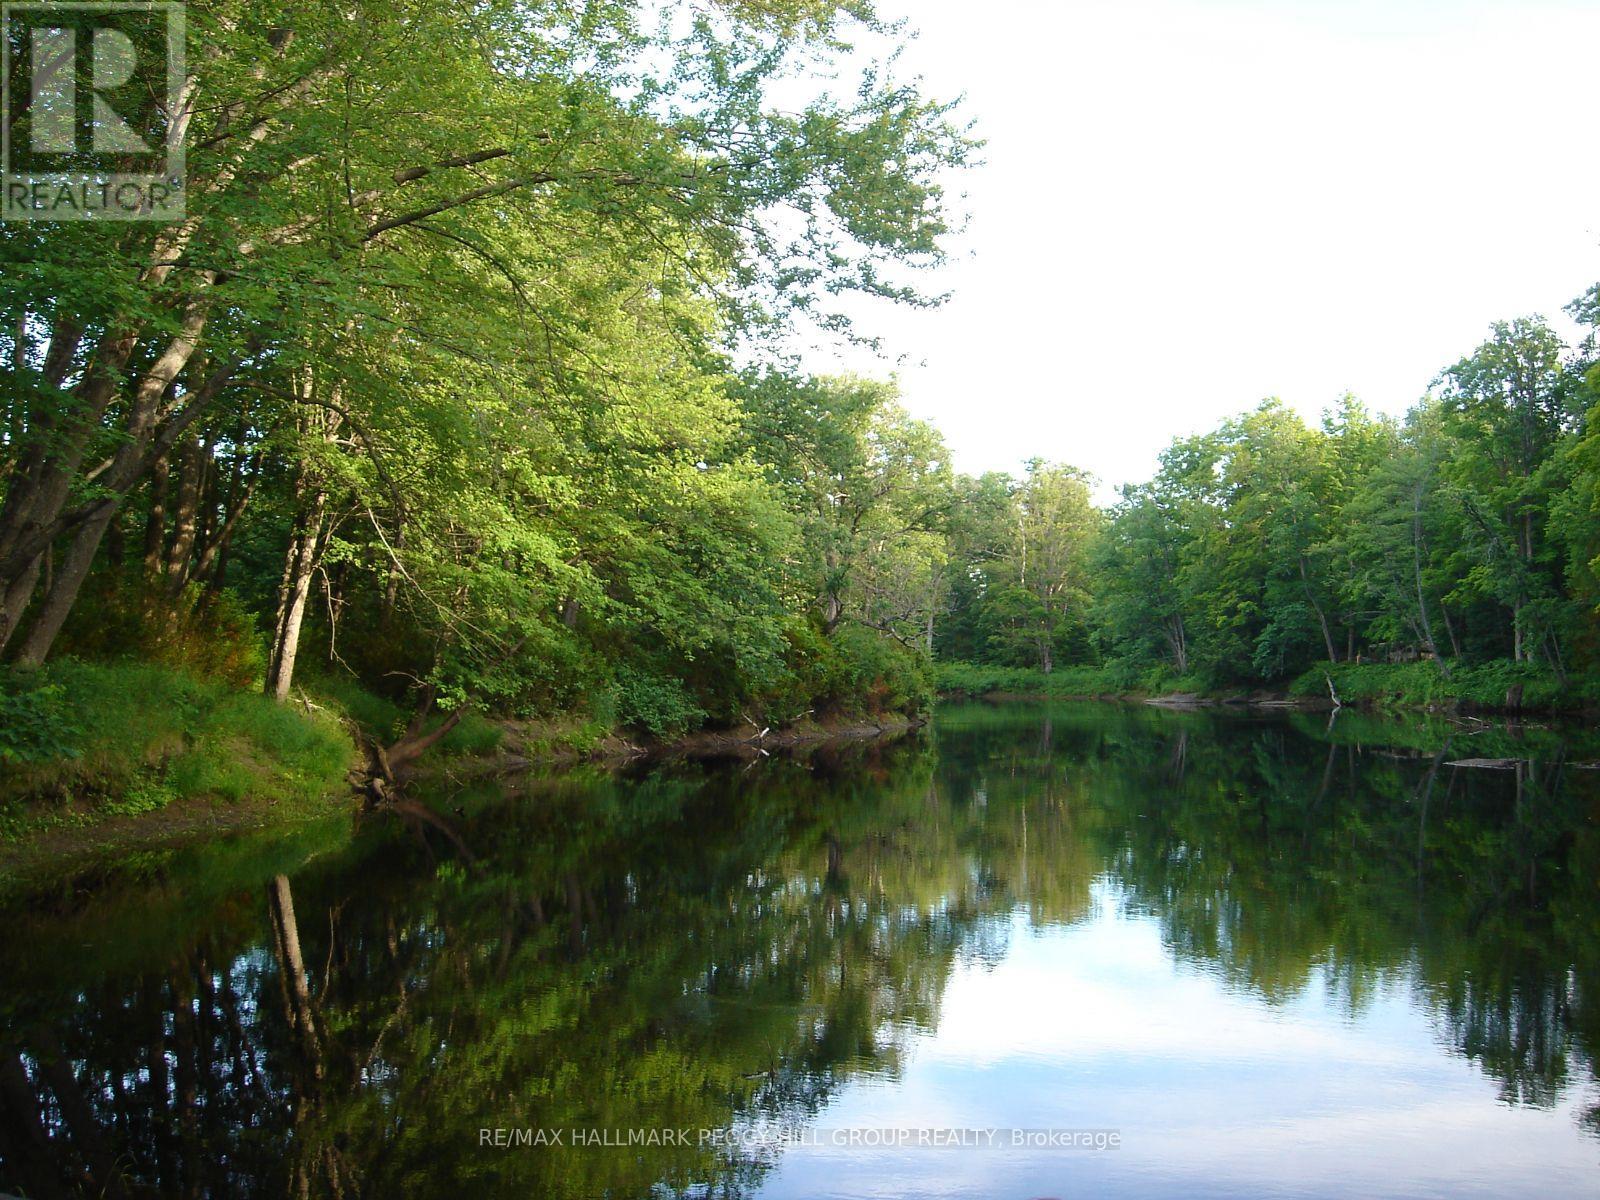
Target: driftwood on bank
<point x="387" y="766"/>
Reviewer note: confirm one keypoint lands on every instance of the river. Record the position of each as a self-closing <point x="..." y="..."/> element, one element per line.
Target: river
<point x="1083" y="949"/>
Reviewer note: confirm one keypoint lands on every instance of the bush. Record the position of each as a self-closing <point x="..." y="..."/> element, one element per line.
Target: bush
<point x="1424" y="684"/>
<point x="958" y="679"/>
<point x="863" y="672"/>
<point x="202" y="633"/>
<point x="35" y="724"/>
<point x="655" y="703"/>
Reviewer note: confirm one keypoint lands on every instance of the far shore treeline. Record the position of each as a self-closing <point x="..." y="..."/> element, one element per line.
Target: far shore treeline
<point x="462" y="386"/>
<point x="1457" y="546"/>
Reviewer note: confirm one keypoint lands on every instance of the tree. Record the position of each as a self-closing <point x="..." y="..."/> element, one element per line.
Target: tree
<point x="1050" y="557"/>
<point x="873" y="490"/>
<point x="1507" y="406"/>
<point x="1141" y="602"/>
<point x="334" y="169"/>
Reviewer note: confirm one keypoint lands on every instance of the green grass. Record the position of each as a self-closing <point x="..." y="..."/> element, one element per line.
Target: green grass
<point x="475" y="734"/>
<point x="957" y="679"/>
<point x="82" y="741"/>
<point x="1378" y="685"/>
<point x="572" y="736"/>
<point x="379" y="717"/>
<point x="1425" y="685"/>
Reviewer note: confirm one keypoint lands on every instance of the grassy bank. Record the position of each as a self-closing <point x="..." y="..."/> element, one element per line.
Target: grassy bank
<point x="961" y="680"/>
<point x="1483" y="686"/>
<point x="102" y="756"/>
<point x="1418" y="685"/>
<point x="83" y="742"/>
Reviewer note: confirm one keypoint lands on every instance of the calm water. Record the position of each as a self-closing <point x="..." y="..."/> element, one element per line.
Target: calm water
<point x="1228" y="955"/>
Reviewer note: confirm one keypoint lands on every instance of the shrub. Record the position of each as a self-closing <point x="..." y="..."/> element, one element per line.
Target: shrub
<point x="958" y="679"/>
<point x="1483" y="685"/>
<point x="655" y="703"/>
<point x="207" y="634"/>
<point x="864" y="672"/>
<point x="35" y="724"/>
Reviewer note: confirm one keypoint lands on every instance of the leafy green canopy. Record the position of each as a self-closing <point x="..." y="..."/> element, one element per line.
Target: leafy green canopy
<point x="1466" y="534"/>
<point x="450" y="317"/>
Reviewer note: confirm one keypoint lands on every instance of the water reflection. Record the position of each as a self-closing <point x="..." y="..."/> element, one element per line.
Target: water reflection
<point x="1031" y="910"/>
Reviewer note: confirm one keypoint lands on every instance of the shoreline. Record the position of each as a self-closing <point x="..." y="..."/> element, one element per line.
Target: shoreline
<point x="61" y="849"/>
<point x="527" y="745"/>
<point x="1280" y="702"/>
<point x="79" y="844"/>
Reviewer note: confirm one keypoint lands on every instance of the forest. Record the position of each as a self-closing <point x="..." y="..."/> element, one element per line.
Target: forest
<point x="467" y="373"/>
<point x="1459" y="542"/>
<point x="468" y="383"/>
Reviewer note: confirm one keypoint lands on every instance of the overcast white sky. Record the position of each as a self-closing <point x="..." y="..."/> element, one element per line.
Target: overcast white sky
<point x="1189" y="205"/>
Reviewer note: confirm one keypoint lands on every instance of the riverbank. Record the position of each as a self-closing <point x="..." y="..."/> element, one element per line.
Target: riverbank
<point x="86" y="743"/>
<point x="1497" y="687"/>
<point x="122" y="758"/>
<point x="106" y="760"/>
<point x="563" y="743"/>
<point x="102" y="759"/>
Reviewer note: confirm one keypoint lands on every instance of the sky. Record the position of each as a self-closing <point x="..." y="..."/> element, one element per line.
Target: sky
<point x="1186" y="206"/>
<point x="1214" y="1091"/>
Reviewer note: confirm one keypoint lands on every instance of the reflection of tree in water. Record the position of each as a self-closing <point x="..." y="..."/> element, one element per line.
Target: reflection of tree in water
<point x="693" y="950"/>
<point x="667" y="954"/>
<point x="1278" y="860"/>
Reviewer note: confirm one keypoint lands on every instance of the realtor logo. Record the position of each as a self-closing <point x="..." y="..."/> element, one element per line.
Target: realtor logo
<point x="89" y="126"/>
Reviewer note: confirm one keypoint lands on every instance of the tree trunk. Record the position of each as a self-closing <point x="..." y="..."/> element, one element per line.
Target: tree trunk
<point x="185" y="514"/>
<point x="63" y="592"/>
<point x="286" y="939"/>
<point x="391" y="583"/>
<point x="213" y="561"/>
<point x="832" y="612"/>
<point x="1416" y="569"/>
<point x="14" y="600"/>
<point x="34" y="516"/>
<point x="1322" y="617"/>
<point x="299" y="563"/>
<point x="155" y="525"/>
<point x="1553" y="652"/>
<point x="1450" y="631"/>
<point x="388" y="763"/>
<point x="415" y="743"/>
